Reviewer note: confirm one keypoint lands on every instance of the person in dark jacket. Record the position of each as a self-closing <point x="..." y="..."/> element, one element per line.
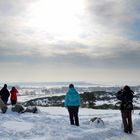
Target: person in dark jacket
<point x="72" y="102"/>
<point x="125" y="95"/>
<point x="13" y="96"/>
<point x="4" y="93"/>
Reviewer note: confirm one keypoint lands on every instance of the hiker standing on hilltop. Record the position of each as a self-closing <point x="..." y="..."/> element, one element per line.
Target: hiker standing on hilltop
<point x="13" y="97"/>
<point x="72" y="102"/>
<point x="4" y="93"/>
<point x="126" y="107"/>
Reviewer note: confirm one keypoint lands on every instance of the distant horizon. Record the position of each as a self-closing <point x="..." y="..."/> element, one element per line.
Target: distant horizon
<point x="130" y="83"/>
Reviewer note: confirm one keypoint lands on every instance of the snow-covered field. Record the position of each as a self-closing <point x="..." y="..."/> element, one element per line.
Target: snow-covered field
<point x="52" y="123"/>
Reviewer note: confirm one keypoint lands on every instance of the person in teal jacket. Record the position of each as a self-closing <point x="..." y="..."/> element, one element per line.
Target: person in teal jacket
<point x="72" y="102"/>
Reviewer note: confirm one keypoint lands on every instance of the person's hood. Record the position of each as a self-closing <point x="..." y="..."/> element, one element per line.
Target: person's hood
<point x="72" y="90"/>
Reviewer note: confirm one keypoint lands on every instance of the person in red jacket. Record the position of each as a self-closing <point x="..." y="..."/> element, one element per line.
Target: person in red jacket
<point x="13" y="97"/>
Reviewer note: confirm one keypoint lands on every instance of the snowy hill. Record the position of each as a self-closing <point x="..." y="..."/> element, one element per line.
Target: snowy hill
<point x="52" y="123"/>
<point x="95" y="100"/>
<point x="105" y="94"/>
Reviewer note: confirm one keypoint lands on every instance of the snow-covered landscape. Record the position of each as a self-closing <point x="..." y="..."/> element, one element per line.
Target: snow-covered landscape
<point x="29" y="91"/>
<point x="52" y="123"/>
<point x="47" y="47"/>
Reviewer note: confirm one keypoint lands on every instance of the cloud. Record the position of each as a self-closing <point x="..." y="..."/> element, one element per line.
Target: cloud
<point x="14" y="8"/>
<point x="114" y="13"/>
<point x="103" y="42"/>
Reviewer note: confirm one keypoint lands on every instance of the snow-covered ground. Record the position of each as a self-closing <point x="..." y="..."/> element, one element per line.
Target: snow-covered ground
<point x="52" y="123"/>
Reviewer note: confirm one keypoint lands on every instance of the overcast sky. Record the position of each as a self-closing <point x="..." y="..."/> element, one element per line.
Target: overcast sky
<point x="70" y="40"/>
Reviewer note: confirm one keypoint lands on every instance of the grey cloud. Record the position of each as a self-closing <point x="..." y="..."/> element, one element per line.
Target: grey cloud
<point x="23" y="44"/>
<point x="120" y="53"/>
<point x="14" y="48"/>
<point x="73" y="60"/>
<point x="69" y="47"/>
<point x="128" y="60"/>
<point x="14" y="8"/>
<point x="114" y="13"/>
<point x="123" y="54"/>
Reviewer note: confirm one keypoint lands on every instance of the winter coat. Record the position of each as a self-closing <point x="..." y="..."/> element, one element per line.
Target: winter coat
<point x="126" y="98"/>
<point x="13" y="94"/>
<point x="4" y="93"/>
<point x="72" y="98"/>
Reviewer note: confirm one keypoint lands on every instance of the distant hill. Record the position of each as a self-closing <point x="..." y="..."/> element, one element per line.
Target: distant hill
<point x="32" y="84"/>
<point x="95" y="99"/>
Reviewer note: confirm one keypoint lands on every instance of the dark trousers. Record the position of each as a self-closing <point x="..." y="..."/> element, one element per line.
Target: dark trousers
<point x="73" y="114"/>
<point x="127" y="120"/>
<point x="13" y="102"/>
